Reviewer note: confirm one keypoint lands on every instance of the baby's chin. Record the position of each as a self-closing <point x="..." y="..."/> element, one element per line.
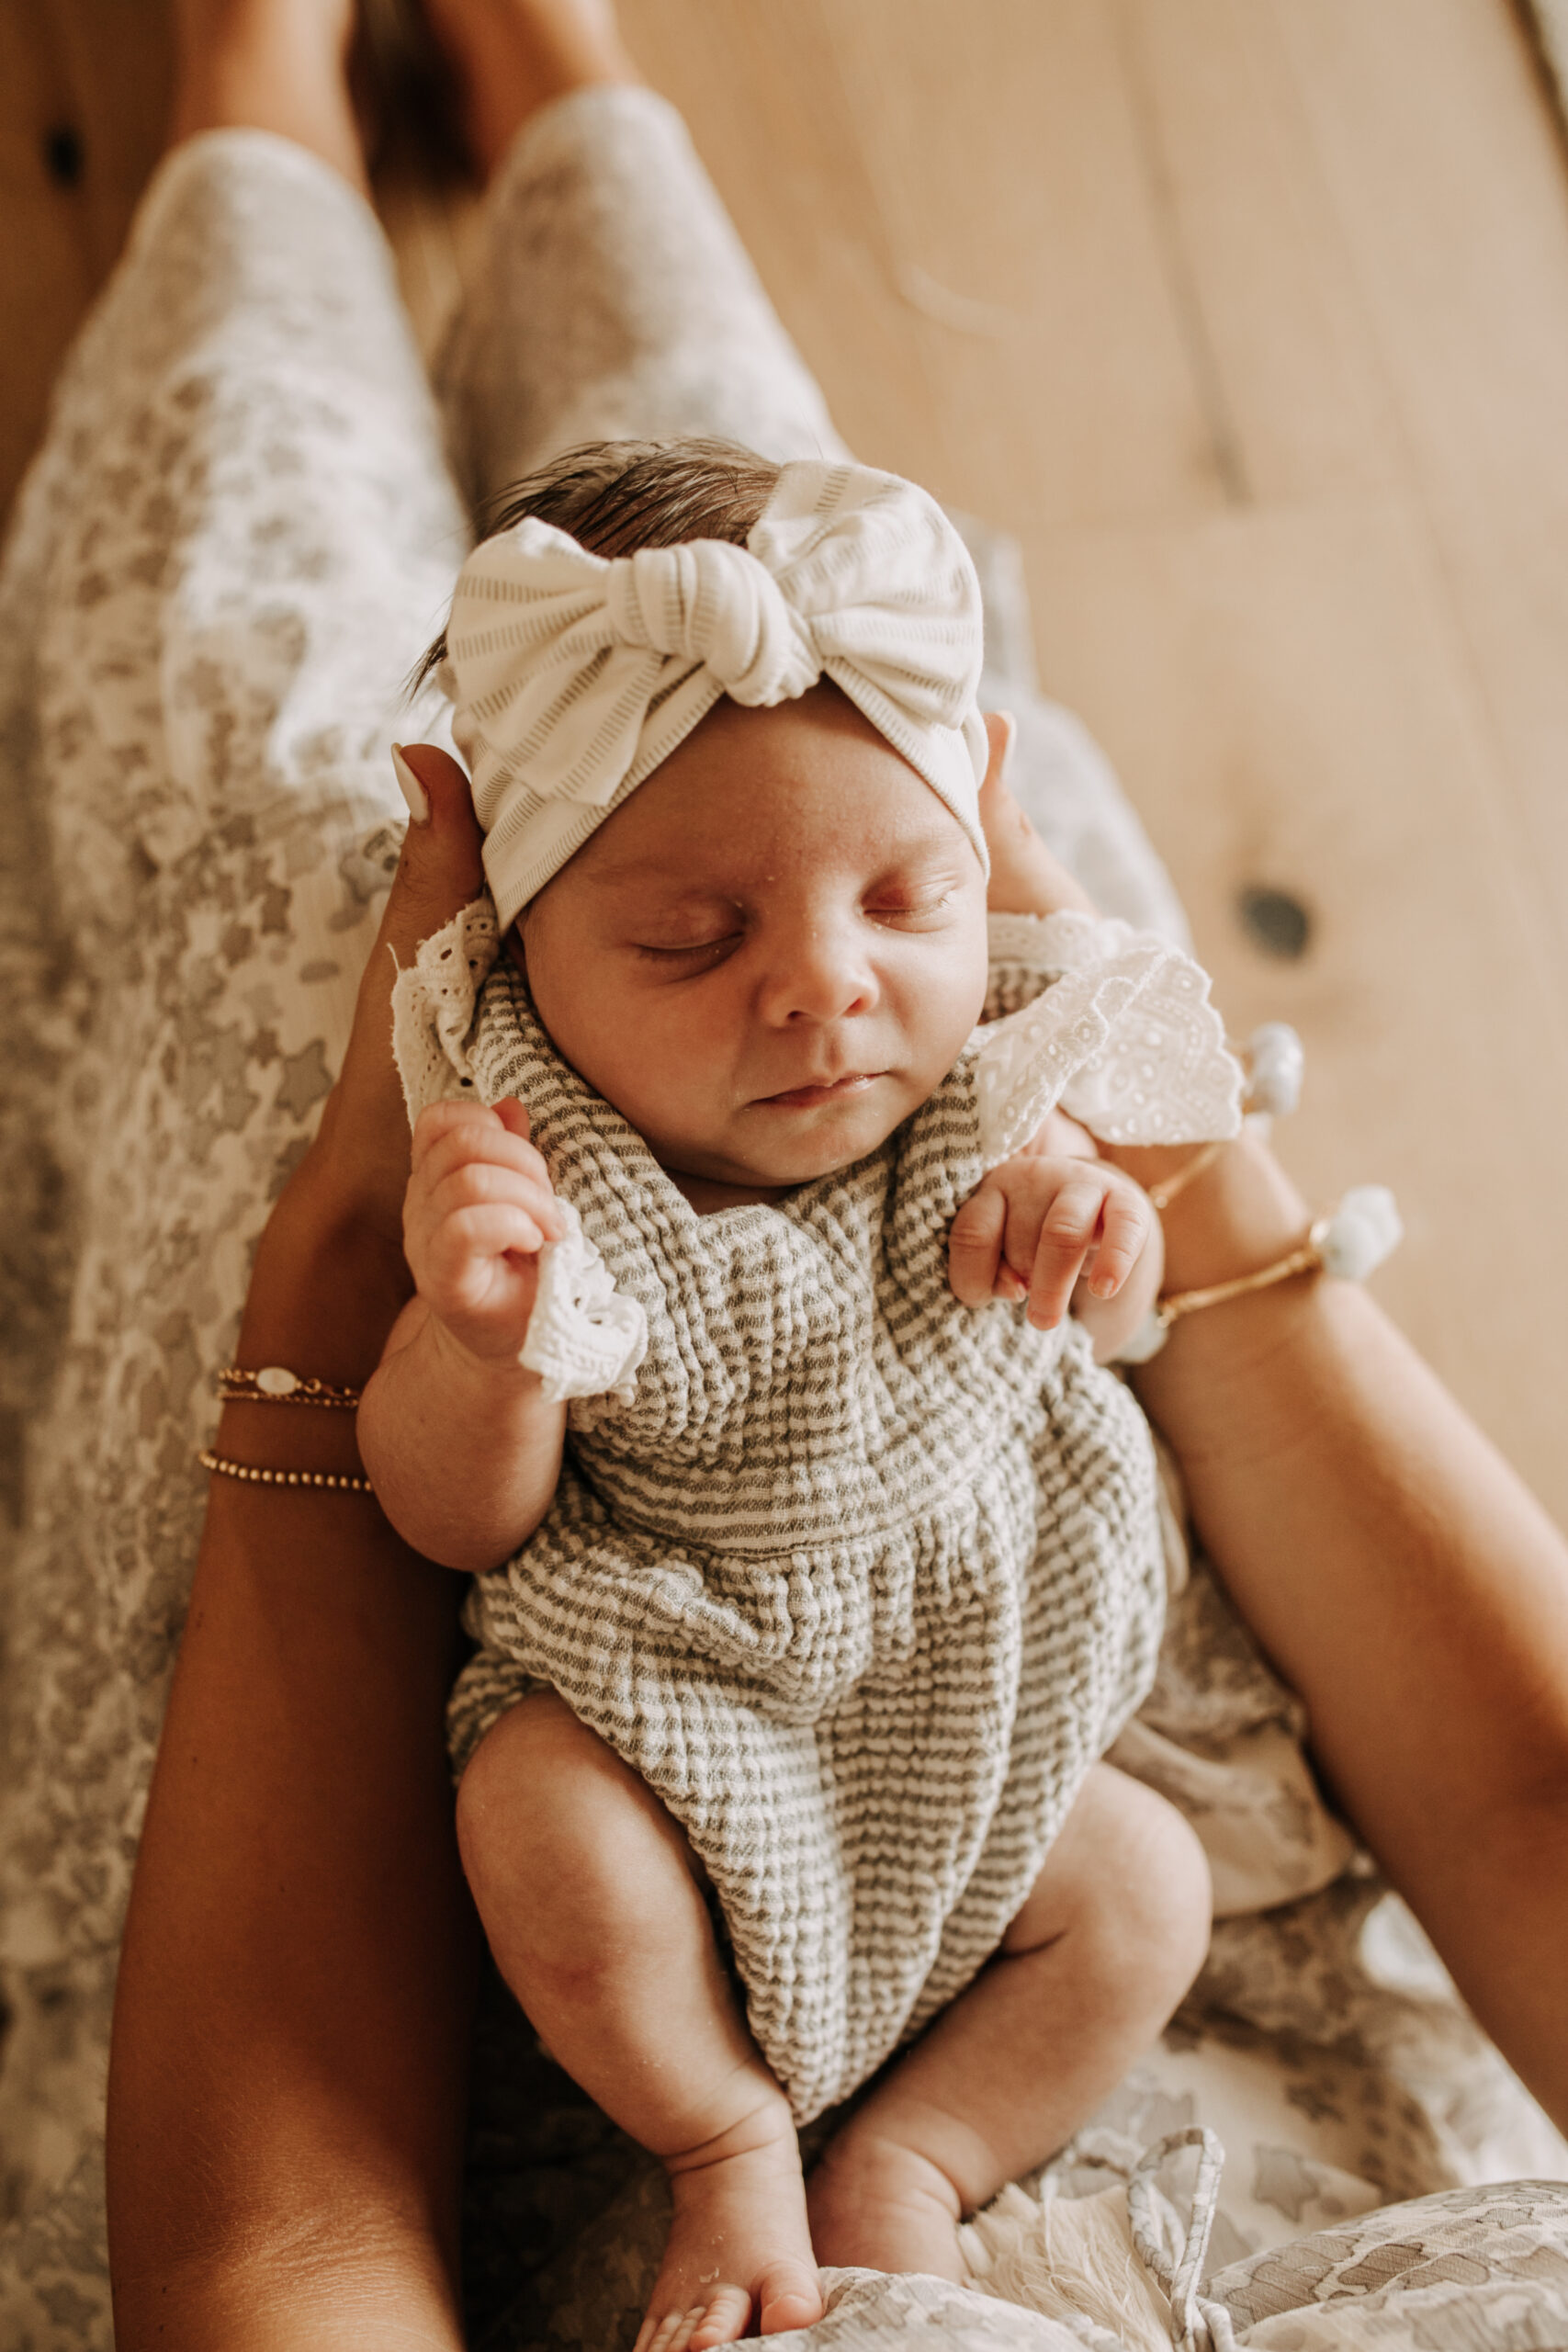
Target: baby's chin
<point x="777" y="1148"/>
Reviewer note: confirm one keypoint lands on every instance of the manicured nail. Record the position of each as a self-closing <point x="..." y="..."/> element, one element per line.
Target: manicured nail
<point x="409" y="784"/>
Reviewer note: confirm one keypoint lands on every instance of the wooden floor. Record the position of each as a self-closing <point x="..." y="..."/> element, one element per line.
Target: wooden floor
<point x="1251" y="318"/>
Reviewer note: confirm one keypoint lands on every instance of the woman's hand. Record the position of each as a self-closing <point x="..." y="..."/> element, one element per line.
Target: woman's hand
<point x="337" y="1228"/>
<point x="1025" y="879"/>
<point x="361" y="1151"/>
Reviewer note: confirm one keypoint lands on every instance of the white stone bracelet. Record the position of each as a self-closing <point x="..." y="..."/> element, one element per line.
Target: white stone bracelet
<point x="1350" y="1243"/>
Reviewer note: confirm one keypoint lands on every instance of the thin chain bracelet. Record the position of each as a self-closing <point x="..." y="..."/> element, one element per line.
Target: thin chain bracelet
<point x="347" y="1482"/>
<point x="1349" y="1243"/>
<point x="1161" y="1195"/>
<point x="275" y="1385"/>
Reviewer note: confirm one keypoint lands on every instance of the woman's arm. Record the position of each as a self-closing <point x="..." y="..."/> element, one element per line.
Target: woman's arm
<point x="1403" y="1580"/>
<point x="1395" y="1569"/>
<point x="287" y="2079"/>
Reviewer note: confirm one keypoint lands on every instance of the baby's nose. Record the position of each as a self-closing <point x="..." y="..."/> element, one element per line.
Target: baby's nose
<point x="822" y="975"/>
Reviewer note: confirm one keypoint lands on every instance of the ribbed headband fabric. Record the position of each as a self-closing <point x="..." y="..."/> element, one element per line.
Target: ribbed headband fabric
<point x="574" y="676"/>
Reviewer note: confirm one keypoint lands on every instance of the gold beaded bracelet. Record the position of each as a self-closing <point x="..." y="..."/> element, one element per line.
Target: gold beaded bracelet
<point x="347" y="1482"/>
<point x="274" y="1385"/>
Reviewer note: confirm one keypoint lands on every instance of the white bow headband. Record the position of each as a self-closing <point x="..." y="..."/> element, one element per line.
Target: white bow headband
<point x="574" y="676"/>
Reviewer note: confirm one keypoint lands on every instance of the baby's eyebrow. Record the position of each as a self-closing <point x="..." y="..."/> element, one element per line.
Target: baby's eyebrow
<point x="672" y="878"/>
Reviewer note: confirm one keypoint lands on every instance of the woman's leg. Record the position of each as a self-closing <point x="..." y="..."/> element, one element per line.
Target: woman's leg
<point x="273" y="65"/>
<point x="236" y="539"/>
<point x="613" y="297"/>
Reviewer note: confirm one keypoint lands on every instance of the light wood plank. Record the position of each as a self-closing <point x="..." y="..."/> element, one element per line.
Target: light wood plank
<point x="1282" y="689"/>
<point x="45" y="274"/>
<point x="761" y="88"/>
<point x="1006" y="168"/>
<point x="1447" y="176"/>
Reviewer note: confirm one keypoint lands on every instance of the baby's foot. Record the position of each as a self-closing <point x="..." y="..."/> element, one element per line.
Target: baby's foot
<point x="739" y="2244"/>
<point x="875" y="2205"/>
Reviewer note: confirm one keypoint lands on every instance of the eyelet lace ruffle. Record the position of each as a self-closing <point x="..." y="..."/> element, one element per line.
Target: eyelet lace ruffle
<point x="584" y="1338"/>
<point x="1124" y="1039"/>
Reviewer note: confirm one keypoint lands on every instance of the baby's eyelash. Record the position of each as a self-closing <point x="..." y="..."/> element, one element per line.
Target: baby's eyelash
<point x="695" y="947"/>
<point x="922" y="905"/>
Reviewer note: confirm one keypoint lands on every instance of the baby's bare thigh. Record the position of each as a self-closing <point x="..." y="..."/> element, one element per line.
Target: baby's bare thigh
<point x="544" y="1795"/>
<point x="1127" y="1867"/>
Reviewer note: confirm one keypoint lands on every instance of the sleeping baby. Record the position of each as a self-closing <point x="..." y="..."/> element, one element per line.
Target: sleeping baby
<point x="808" y="1593"/>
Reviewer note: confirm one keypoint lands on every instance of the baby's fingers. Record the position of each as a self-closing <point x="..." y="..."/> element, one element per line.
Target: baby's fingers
<point x="473" y="1238"/>
<point x="975" y="1246"/>
<point x="1126" y="1221"/>
<point x="1066" y="1235"/>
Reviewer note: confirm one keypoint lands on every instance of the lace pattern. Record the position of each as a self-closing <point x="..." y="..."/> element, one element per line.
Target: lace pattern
<point x="585" y="1338"/>
<point x="1124" y="1039"/>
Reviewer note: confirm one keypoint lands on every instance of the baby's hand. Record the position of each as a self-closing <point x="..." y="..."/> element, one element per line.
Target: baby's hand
<point x="1043" y="1221"/>
<point x="478" y="1212"/>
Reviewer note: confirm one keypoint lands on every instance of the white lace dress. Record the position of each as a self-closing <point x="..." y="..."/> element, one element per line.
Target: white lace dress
<point x="860" y="1581"/>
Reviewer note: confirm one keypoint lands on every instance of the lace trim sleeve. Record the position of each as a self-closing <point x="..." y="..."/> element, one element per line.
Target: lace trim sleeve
<point x="1020" y="962"/>
<point x="434" y="1003"/>
<point x="1123" y="1039"/>
<point x="584" y="1338"/>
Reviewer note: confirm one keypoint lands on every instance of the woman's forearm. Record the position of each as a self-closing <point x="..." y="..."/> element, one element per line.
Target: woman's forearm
<point x="1403" y="1580"/>
<point x="287" y="2081"/>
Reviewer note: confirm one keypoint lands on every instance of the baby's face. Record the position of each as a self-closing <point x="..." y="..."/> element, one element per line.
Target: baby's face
<point x="771" y="954"/>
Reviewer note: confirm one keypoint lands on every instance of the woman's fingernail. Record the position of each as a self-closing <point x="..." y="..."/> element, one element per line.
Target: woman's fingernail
<point x="409" y="784"/>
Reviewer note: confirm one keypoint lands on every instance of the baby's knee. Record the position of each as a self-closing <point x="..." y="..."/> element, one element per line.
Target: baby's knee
<point x="1130" y="1881"/>
<point x="558" y="1836"/>
<point x="1155" y="1910"/>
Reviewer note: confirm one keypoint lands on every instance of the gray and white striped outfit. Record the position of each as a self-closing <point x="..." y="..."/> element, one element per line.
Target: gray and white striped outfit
<point x="860" y="1582"/>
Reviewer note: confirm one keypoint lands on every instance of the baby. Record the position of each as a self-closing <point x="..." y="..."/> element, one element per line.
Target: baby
<point x="825" y="1589"/>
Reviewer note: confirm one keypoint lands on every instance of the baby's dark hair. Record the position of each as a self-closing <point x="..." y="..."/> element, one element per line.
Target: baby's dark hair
<point x="613" y="497"/>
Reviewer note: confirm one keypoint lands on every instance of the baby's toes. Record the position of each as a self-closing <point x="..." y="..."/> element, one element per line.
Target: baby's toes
<point x="721" y="2319"/>
<point x="788" y="2296"/>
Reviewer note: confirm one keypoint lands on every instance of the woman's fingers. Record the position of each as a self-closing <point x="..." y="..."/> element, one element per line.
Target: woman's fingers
<point x="363" y="1134"/>
<point x="1025" y="879"/>
<point x="440" y="869"/>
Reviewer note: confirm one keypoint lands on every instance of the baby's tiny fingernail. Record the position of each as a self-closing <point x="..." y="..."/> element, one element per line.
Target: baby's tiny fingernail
<point x="409" y="784"/>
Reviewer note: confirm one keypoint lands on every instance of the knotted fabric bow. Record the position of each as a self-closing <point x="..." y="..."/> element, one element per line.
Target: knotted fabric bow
<point x="574" y="676"/>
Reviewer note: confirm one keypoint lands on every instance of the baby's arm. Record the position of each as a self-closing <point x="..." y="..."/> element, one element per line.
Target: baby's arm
<point x="1061" y="1227"/>
<point x="460" y="1443"/>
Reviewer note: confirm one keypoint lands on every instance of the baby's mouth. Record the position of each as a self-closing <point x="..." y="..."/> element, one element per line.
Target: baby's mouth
<point x="806" y="1097"/>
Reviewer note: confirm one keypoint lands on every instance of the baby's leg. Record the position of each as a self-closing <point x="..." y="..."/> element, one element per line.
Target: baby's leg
<point x="1112" y="1936"/>
<point x="588" y="1895"/>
